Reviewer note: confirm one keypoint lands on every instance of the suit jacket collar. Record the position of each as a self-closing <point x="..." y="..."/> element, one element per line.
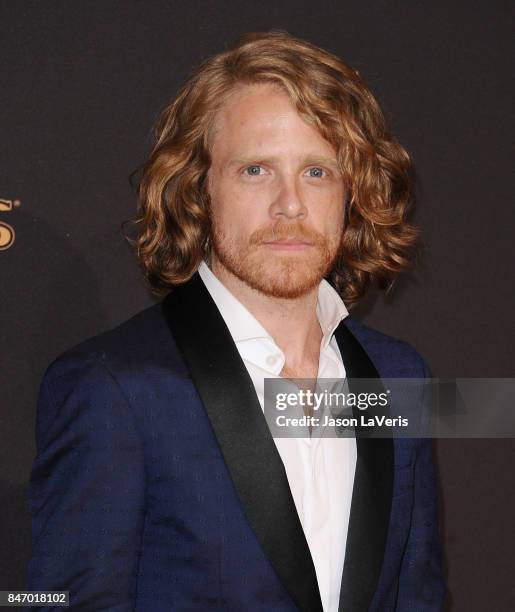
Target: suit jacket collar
<point x="255" y="466"/>
<point x="244" y="326"/>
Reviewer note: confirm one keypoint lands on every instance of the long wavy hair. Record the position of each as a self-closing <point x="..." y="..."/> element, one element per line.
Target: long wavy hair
<point x="172" y="220"/>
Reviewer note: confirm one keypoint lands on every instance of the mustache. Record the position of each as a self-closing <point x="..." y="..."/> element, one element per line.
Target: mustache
<point x="287" y="231"/>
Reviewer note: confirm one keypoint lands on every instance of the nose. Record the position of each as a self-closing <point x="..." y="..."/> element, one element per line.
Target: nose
<point x="288" y="202"/>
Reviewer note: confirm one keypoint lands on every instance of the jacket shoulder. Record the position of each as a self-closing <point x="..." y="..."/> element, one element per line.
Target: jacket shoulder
<point x="393" y="357"/>
<point x="141" y="340"/>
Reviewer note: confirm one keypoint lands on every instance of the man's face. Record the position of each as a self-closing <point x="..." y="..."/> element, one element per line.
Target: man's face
<point x="277" y="194"/>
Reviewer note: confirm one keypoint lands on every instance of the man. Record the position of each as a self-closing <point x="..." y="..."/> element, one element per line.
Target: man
<point x="157" y="484"/>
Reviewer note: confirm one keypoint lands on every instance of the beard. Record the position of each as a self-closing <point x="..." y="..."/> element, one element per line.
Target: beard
<point x="274" y="273"/>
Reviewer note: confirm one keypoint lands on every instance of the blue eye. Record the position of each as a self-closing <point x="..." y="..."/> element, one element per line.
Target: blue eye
<point x="319" y="172"/>
<point x="252" y="170"/>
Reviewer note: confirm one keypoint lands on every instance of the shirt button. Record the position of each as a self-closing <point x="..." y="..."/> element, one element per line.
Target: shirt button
<point x="271" y="359"/>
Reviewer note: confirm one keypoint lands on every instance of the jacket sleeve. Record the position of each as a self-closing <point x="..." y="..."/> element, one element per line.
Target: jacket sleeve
<point x="86" y="490"/>
<point x="421" y="582"/>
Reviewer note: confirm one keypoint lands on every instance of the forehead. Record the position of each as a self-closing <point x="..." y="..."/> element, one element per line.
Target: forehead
<point x="262" y="115"/>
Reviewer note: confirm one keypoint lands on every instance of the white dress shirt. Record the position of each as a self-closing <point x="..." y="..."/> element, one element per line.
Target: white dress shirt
<point x="320" y="470"/>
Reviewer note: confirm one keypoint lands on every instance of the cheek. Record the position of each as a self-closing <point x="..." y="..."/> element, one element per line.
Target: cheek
<point x="239" y="212"/>
<point x="231" y="222"/>
<point x="328" y="214"/>
<point x="338" y="211"/>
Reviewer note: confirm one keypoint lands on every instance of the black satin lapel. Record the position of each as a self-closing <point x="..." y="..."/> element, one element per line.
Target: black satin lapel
<point x="249" y="451"/>
<point x="371" y="496"/>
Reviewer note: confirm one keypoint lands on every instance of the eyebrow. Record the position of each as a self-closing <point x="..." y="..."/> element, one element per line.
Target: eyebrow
<point x="259" y="159"/>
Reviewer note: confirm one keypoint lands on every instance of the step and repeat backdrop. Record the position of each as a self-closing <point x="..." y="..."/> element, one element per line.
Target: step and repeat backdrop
<point x="81" y="85"/>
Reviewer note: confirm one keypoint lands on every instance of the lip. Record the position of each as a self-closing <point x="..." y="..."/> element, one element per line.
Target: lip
<point x="288" y="245"/>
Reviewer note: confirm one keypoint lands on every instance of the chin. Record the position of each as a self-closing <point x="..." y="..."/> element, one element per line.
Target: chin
<point x="280" y="275"/>
<point x="289" y="277"/>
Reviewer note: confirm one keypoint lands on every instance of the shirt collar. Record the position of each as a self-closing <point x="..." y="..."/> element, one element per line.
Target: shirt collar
<point x="241" y="323"/>
<point x="330" y="311"/>
<point x="244" y="326"/>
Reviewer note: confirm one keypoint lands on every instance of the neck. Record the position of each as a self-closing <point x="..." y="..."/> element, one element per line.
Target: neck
<point x="292" y="323"/>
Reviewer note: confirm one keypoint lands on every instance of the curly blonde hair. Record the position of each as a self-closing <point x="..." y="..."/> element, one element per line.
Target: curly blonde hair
<point x="172" y="219"/>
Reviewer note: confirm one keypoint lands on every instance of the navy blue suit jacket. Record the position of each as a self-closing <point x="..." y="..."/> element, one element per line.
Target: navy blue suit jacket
<point x="157" y="485"/>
